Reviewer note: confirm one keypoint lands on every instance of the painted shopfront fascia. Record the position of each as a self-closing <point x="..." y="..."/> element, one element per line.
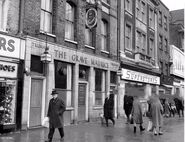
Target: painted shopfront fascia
<point x="12" y="47"/>
<point x="177" y="59"/>
<point x="12" y="51"/>
<point x="139" y="77"/>
<point x="65" y="54"/>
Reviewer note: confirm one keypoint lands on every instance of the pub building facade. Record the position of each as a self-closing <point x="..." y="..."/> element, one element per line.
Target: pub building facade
<point x="11" y="81"/>
<point x="82" y="80"/>
<point x="82" y="63"/>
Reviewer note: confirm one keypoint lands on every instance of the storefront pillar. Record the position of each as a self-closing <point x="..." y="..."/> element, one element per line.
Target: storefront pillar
<point x="121" y="92"/>
<point x="50" y="84"/>
<point x="75" y="91"/>
<point x="26" y="91"/>
<point x="91" y="92"/>
<point x="120" y="99"/>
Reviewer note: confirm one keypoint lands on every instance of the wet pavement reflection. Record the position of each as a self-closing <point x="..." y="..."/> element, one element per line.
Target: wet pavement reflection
<point x="95" y="132"/>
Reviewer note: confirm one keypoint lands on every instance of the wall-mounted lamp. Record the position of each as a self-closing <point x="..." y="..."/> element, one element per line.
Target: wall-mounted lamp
<point x="27" y="71"/>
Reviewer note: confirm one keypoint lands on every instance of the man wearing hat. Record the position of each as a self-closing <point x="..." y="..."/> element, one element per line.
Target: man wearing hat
<point x="55" y="114"/>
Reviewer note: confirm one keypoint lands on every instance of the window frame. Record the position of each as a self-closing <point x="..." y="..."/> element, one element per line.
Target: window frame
<point x="70" y="22"/>
<point x="43" y="18"/>
<point x="129" y="37"/>
<point x="104" y="35"/>
<point x="128" y="5"/>
<point x="3" y="14"/>
<point x="90" y="35"/>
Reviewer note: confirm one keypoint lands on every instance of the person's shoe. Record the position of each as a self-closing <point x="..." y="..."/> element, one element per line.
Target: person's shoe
<point x="160" y="133"/>
<point x="134" y="129"/>
<point x="48" y="140"/>
<point x="141" y="128"/>
<point x="155" y="133"/>
<point x="62" y="140"/>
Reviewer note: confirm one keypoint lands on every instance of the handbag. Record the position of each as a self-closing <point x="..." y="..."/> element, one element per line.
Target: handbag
<point x="45" y="122"/>
<point x="148" y="114"/>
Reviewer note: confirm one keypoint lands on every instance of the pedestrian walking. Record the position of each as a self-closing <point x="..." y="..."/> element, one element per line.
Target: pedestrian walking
<point x="109" y="109"/>
<point x="166" y="108"/>
<point x="156" y="112"/>
<point x="55" y="115"/>
<point x="137" y="114"/>
<point x="128" y="103"/>
<point x="149" y="115"/>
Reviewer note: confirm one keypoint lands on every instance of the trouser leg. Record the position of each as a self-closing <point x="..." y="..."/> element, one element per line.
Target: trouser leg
<point x="61" y="131"/>
<point x="50" y="135"/>
<point x="113" y="121"/>
<point x="106" y="120"/>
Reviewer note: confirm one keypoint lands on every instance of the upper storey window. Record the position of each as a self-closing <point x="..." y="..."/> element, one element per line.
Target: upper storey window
<point x="46" y="16"/>
<point x="3" y="14"/>
<point x="151" y="18"/>
<point x="104" y="35"/>
<point x="128" y="5"/>
<point x="69" y="23"/>
<point x="141" y="10"/>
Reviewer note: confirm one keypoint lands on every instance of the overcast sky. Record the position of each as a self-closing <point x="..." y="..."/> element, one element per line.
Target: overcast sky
<point x="174" y="4"/>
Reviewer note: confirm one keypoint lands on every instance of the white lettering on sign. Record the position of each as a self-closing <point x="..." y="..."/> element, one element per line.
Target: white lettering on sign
<point x="8" y="69"/>
<point x="9" y="46"/>
<point x="140" y="77"/>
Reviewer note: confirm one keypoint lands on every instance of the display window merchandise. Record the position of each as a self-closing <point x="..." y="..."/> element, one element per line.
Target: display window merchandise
<point x="7" y="101"/>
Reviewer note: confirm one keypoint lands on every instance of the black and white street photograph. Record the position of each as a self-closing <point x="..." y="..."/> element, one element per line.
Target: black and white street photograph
<point x="92" y="70"/>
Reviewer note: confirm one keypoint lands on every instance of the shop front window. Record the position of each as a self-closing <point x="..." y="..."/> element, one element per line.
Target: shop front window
<point x="63" y="81"/>
<point x="7" y="101"/>
<point x="99" y="86"/>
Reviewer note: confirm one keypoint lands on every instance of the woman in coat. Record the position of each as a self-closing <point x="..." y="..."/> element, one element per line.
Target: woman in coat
<point x="137" y="114"/>
<point x="156" y="112"/>
<point x="55" y="114"/>
<point x="109" y="109"/>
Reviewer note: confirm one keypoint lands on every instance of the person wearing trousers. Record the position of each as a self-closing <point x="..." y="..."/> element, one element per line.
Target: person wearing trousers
<point x="128" y="103"/>
<point x="109" y="109"/>
<point x="55" y="114"/>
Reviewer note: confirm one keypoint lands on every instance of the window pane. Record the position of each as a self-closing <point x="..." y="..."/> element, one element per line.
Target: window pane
<point x="88" y="36"/>
<point x="69" y="12"/>
<point x="36" y="64"/>
<point x="98" y="80"/>
<point x="47" y="22"/>
<point x="60" y="75"/>
<point x="42" y="20"/>
<point x="48" y="6"/>
<point x="43" y="4"/>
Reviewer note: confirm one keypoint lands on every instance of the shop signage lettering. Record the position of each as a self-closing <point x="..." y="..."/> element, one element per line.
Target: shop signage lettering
<point x="9" y="46"/>
<point x="8" y="68"/>
<point x="86" y="60"/>
<point x="99" y="63"/>
<point x="140" y="77"/>
<point x="80" y="59"/>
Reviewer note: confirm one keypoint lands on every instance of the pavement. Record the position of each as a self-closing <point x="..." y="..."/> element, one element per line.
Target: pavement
<point x="95" y="132"/>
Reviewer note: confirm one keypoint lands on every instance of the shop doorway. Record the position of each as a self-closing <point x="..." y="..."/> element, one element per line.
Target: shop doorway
<point x="36" y="102"/>
<point x="82" y="102"/>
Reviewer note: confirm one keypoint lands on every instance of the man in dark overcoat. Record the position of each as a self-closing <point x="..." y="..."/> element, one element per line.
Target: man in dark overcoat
<point x="109" y="109"/>
<point x="55" y="114"/>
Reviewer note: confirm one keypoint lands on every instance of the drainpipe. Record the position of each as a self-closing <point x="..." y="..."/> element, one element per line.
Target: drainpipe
<point x="21" y="17"/>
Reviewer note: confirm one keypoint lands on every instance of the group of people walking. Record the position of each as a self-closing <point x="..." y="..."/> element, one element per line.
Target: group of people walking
<point x="157" y="109"/>
<point x="132" y="107"/>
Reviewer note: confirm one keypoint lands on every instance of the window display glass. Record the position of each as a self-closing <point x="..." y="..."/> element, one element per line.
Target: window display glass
<point x="7" y="101"/>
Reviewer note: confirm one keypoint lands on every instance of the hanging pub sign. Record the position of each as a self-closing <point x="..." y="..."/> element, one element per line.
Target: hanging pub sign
<point x="91" y="18"/>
